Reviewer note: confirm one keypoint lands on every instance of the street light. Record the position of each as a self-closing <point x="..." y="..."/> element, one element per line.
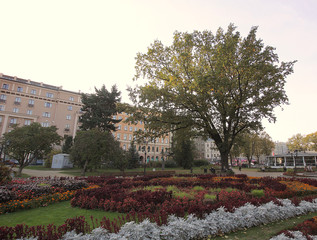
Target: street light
<point x="145" y="160"/>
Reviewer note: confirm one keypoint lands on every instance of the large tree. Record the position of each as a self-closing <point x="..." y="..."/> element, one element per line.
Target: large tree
<point x="99" y="109"/>
<point x="217" y="84"/>
<point x="297" y="142"/>
<point x="28" y="143"/>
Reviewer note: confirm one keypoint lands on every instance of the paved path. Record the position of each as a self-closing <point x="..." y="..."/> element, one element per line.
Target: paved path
<point x="255" y="173"/>
<point x="44" y="173"/>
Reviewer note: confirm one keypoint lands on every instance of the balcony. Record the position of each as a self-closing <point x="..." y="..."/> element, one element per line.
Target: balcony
<point x="66" y="130"/>
<point x="30" y="105"/>
<point x="17" y="103"/>
<point x="3" y="100"/>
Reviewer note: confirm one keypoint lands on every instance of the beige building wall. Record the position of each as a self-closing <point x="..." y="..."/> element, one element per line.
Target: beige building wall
<point x="24" y="101"/>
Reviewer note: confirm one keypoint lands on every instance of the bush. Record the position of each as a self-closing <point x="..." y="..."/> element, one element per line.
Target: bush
<point x="170" y="164"/>
<point x="201" y="162"/>
<point x="155" y="164"/>
<point x="5" y="173"/>
<point x="257" y="193"/>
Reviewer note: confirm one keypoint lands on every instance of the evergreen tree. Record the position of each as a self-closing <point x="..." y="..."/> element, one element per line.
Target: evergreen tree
<point x="133" y="156"/>
<point x="99" y="109"/>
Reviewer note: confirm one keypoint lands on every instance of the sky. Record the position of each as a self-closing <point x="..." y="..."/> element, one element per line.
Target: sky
<point x="80" y="45"/>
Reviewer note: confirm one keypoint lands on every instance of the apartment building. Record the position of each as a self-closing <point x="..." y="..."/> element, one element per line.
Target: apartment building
<point x="149" y="149"/>
<point x="23" y="102"/>
<point x="206" y="149"/>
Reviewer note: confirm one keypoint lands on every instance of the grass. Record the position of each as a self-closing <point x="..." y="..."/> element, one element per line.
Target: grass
<point x="56" y="213"/>
<point x="265" y="232"/>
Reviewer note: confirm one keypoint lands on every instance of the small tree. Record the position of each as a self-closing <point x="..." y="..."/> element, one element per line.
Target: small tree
<point x="132" y="156"/>
<point x="183" y="149"/>
<point x="67" y="144"/>
<point x="28" y="143"/>
<point x="99" y="109"/>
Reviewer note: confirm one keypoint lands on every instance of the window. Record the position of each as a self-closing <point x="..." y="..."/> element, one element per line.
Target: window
<point x="20" y="89"/>
<point x="166" y="140"/>
<point x="27" y="122"/>
<point x="119" y="127"/>
<point x="68" y="117"/>
<point x="0" y="119"/>
<point x="13" y="121"/>
<point x="124" y="147"/>
<point x="31" y="103"/>
<point x="45" y="124"/>
<point x="125" y="128"/>
<point x="48" y="104"/>
<point x="71" y="98"/>
<point x="119" y="117"/>
<point x="17" y="100"/>
<point x="33" y="91"/>
<point x="125" y="137"/>
<point x="118" y="136"/>
<point x="46" y="114"/>
<point x="1" y="108"/>
<point x="162" y="140"/>
<point x="135" y="128"/>
<point x="29" y="112"/>
<point x="15" y="110"/>
<point x="67" y="126"/>
<point x="5" y="86"/>
<point x="69" y="108"/>
<point x="49" y="95"/>
<point x="131" y="128"/>
<point x="114" y="117"/>
<point x="3" y="98"/>
<point x="130" y="137"/>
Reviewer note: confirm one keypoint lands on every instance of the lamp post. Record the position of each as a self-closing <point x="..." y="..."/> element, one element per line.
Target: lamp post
<point x="163" y="162"/>
<point x="145" y="160"/>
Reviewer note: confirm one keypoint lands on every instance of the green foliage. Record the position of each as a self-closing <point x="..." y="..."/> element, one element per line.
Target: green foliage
<point x="133" y="156"/>
<point x="297" y="142"/>
<point x="99" y="109"/>
<point x="170" y="164"/>
<point x="183" y="149"/>
<point x="5" y="173"/>
<point x="49" y="158"/>
<point x="28" y="143"/>
<point x="210" y="197"/>
<point x="93" y="147"/>
<point x="200" y="163"/>
<point x="67" y="144"/>
<point x="257" y="193"/>
<point x="218" y="85"/>
<point x="198" y="188"/>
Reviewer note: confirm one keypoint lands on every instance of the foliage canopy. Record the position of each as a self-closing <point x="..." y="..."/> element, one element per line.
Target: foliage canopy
<point x="219" y="85"/>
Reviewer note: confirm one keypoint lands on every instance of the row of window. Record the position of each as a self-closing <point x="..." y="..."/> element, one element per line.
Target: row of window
<point x="31" y="102"/>
<point x="30" y="112"/>
<point x="28" y="122"/>
<point x="33" y="91"/>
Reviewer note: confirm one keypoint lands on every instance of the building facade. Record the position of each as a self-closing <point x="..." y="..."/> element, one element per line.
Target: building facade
<point x="23" y="102"/>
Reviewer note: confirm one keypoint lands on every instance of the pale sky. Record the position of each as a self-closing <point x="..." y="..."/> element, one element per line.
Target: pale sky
<point x="83" y="44"/>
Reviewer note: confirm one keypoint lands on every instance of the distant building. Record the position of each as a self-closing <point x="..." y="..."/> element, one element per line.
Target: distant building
<point x="23" y="102"/>
<point x="280" y="148"/>
<point x="206" y="149"/>
<point x="292" y="160"/>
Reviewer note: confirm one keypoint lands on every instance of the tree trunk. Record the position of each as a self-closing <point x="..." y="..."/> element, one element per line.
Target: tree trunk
<point x="19" y="173"/>
<point x="83" y="171"/>
<point x="224" y="160"/>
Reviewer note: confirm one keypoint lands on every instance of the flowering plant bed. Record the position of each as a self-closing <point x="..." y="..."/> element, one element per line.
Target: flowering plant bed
<point x="164" y="206"/>
<point x="305" y="230"/>
<point x="158" y="197"/>
<point x="36" y="192"/>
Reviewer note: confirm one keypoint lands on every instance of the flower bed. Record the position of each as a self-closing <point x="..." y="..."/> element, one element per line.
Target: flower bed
<point x="37" y="192"/>
<point x="305" y="230"/>
<point x="154" y="203"/>
<point x="217" y="222"/>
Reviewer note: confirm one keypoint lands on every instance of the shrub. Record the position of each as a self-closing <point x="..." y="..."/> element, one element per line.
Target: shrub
<point x="257" y="193"/>
<point x="201" y="162"/>
<point x="170" y="164"/>
<point x="5" y="173"/>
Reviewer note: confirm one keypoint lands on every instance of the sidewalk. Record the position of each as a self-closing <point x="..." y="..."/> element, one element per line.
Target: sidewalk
<point x="44" y="173"/>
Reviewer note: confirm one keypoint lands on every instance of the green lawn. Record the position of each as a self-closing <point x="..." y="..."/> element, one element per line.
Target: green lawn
<point x="56" y="213"/>
<point x="59" y="212"/>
